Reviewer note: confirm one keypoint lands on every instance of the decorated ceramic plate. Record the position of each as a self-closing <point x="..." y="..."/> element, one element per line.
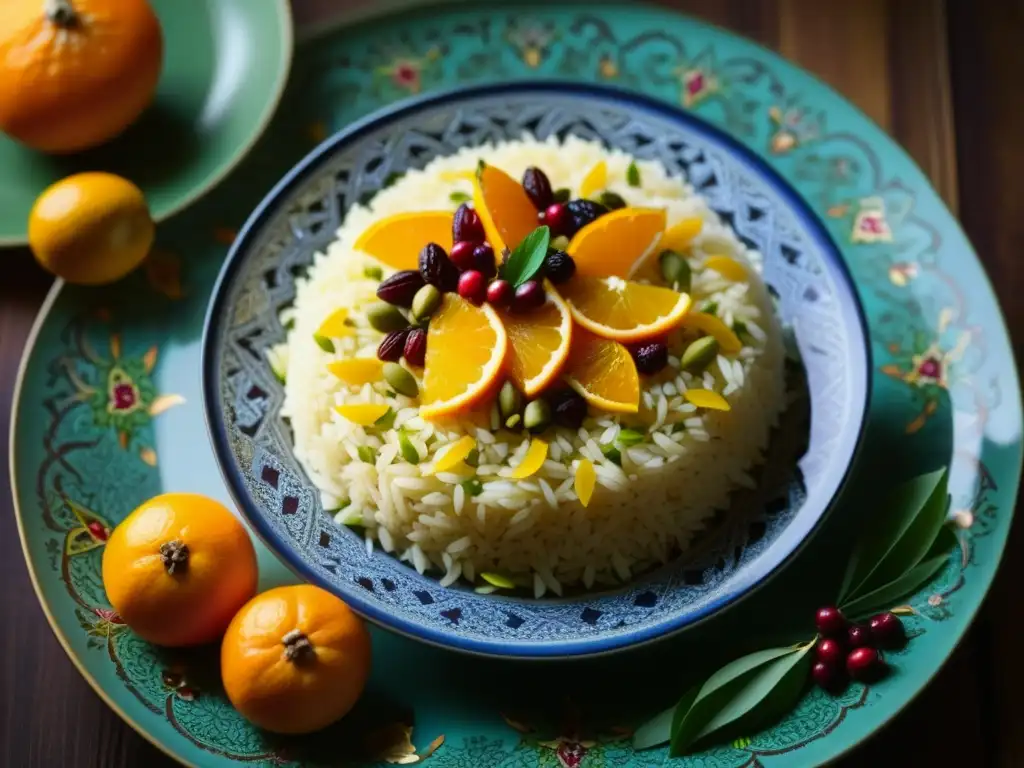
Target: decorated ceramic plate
<point x="109" y="413"/>
<point x="225" y="66"/>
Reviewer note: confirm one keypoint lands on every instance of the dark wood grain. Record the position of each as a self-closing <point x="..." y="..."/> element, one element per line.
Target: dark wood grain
<point x="944" y="79"/>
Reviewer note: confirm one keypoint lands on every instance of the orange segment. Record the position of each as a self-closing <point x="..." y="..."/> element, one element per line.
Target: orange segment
<point x="466" y="347"/>
<point x="727" y="267"/>
<point x="505" y="210"/>
<point x="612" y="244"/>
<point x="452" y="455"/>
<point x="538" y="343"/>
<point x="532" y="461"/>
<point x="397" y="240"/>
<point x="622" y="310"/>
<point x="363" y="414"/>
<point x="585" y="480"/>
<point x="681" y="234"/>
<point x="334" y="326"/>
<point x="357" y="371"/>
<point x="603" y="372"/>
<point x="595" y="180"/>
<point x="707" y="398"/>
<point x="728" y="341"/>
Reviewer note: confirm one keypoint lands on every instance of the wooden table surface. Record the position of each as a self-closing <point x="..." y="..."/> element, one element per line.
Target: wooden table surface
<point x="944" y="78"/>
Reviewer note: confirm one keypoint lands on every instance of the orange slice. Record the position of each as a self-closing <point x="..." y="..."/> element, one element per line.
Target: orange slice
<point x="707" y="398"/>
<point x="538" y="343"/>
<point x="363" y="414"/>
<point x="622" y="310"/>
<point x="603" y="372"/>
<point x="532" y="461"/>
<point x="727" y="267"/>
<point x="681" y="234"/>
<point x="505" y="210"/>
<point x="334" y="326"/>
<point x="611" y="245"/>
<point x="595" y="180"/>
<point x="727" y="340"/>
<point x="397" y="240"/>
<point x="466" y="348"/>
<point x="584" y="482"/>
<point x="454" y="454"/>
<point x="357" y="371"/>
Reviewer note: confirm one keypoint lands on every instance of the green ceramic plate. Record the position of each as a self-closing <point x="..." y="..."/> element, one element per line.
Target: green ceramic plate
<point x="225" y="66"/>
<point x="108" y="413"/>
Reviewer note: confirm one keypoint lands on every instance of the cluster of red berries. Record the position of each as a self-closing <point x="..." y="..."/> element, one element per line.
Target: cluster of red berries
<point x="848" y="651"/>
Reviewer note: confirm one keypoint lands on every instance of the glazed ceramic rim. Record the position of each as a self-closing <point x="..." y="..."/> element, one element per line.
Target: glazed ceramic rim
<point x="775" y="557"/>
<point x="259" y="126"/>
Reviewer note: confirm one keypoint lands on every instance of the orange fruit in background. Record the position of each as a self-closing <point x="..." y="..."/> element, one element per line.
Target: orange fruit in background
<point x="178" y="568"/>
<point x="622" y="310"/>
<point x="397" y="240"/>
<point x="466" y="348"/>
<point x="538" y="342"/>
<point x="295" y="659"/>
<point x="603" y="372"/>
<point x="75" y="73"/>
<point x="504" y="208"/>
<point x="611" y="245"/>
<point x="91" y="228"/>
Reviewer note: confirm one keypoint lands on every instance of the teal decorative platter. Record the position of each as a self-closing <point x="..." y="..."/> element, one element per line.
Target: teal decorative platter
<point x="108" y="413"/>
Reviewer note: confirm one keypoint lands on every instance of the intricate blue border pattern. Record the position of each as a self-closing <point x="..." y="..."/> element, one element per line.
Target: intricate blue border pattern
<point x="295" y="222"/>
<point x="90" y="409"/>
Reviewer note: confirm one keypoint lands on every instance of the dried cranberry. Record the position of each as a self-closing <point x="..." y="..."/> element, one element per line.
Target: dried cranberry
<point x="887" y="631"/>
<point x="529" y="295"/>
<point x="391" y="346"/>
<point x="865" y="665"/>
<point x="400" y="288"/>
<point x="537" y="187"/>
<point x="559" y="266"/>
<point x="557" y="217"/>
<point x="830" y="622"/>
<point x="437" y="269"/>
<point x="568" y="408"/>
<point x="415" y="349"/>
<point x="483" y="260"/>
<point x="466" y="225"/>
<point x="462" y="255"/>
<point x="650" y="358"/>
<point x="472" y="286"/>
<point x="500" y="293"/>
<point x="581" y="213"/>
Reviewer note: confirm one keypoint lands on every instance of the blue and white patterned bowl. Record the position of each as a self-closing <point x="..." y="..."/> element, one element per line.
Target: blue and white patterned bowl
<point x="299" y="217"/>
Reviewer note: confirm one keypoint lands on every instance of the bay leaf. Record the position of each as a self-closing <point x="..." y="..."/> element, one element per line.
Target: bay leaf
<point x="528" y="257"/>
<point x="658" y="730"/>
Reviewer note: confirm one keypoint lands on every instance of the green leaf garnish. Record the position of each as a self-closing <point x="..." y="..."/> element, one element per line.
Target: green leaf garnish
<point x="612" y="453"/>
<point x="633" y="175"/>
<point x="367" y="454"/>
<point x="408" y="450"/>
<point x="528" y="257"/>
<point x="472" y="486"/>
<point x="459" y="197"/>
<point x="628" y="437"/>
<point x="906" y="527"/>
<point x="324" y="343"/>
<point x="373" y="273"/>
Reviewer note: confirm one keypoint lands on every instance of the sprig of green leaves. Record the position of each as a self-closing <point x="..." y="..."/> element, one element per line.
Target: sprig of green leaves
<point x="528" y="257"/>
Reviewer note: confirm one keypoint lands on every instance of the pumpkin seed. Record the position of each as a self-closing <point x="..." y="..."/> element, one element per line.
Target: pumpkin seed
<point x="400" y="380"/>
<point x="537" y="415"/>
<point x="385" y="318"/>
<point x="675" y="270"/>
<point x="699" y="354"/>
<point x="425" y="302"/>
<point x="510" y="402"/>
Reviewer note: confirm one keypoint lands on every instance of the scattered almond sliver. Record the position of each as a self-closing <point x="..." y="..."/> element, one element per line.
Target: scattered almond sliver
<point x="533" y="460"/>
<point x="728" y="268"/>
<point x="357" y="371"/>
<point x="679" y="236"/>
<point x="334" y="326"/>
<point x="728" y="341"/>
<point x="586" y="477"/>
<point x="595" y="180"/>
<point x="707" y="398"/>
<point x="363" y="414"/>
<point x="497" y="580"/>
<point x="454" y="454"/>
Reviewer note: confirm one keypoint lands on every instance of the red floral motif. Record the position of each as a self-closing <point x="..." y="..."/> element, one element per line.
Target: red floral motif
<point x="108" y="614"/>
<point x="99" y="531"/>
<point x="406" y="75"/>
<point x="697" y="85"/>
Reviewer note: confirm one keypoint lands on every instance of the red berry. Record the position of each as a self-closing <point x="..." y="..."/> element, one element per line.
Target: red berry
<point x="466" y="225"/>
<point x="472" y="286"/>
<point x="858" y="636"/>
<point x="483" y="260"/>
<point x="529" y="295"/>
<point x="887" y="631"/>
<point x="865" y="665"/>
<point x="499" y="293"/>
<point x="831" y="652"/>
<point x="556" y="216"/>
<point x="830" y="622"/>
<point x="461" y="255"/>
<point x="828" y="677"/>
<point x="415" y="351"/>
